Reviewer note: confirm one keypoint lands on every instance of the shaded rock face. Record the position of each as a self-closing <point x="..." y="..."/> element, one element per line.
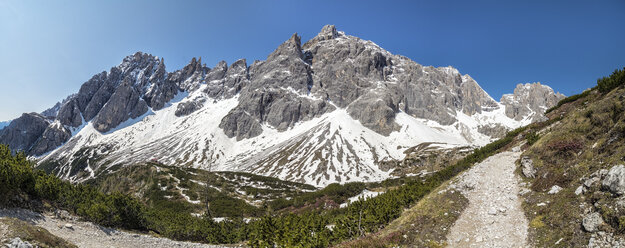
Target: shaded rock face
<point x="53" y="137"/>
<point x="530" y="100"/>
<point x="24" y="131"/>
<point x="127" y="103"/>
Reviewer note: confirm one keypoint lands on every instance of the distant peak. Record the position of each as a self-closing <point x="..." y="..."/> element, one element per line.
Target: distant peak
<point x="328" y="32"/>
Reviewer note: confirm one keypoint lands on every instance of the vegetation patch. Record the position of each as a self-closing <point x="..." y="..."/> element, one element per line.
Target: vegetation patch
<point x="424" y="225"/>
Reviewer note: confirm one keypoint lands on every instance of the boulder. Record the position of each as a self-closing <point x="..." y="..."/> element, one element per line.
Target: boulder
<point x="527" y="167"/>
<point x="614" y="181"/>
<point x="592" y="222"/>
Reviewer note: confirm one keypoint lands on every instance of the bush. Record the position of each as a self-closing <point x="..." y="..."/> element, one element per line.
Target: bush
<point x="532" y="137"/>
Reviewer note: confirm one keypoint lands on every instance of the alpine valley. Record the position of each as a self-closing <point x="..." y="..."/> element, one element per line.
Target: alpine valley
<point x="335" y="109"/>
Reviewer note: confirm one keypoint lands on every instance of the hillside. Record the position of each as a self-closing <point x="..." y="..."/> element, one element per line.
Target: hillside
<point x="568" y="178"/>
<point x="574" y="170"/>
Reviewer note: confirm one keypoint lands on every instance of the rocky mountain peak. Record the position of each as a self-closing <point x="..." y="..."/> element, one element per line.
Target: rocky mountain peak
<point x="530" y="100"/>
<point x="328" y="32"/>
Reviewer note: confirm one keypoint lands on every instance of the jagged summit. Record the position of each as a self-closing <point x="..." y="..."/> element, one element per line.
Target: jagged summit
<point x="331" y="110"/>
<point x="530" y="100"/>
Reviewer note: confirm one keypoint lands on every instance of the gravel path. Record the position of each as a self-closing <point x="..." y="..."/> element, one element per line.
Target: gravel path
<point x="86" y="234"/>
<point x="494" y="217"/>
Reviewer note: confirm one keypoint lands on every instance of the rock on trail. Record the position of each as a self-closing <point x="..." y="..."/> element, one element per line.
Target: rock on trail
<point x="494" y="217"/>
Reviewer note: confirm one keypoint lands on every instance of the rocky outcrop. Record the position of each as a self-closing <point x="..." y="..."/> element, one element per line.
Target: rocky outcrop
<point x="127" y="91"/>
<point x="530" y="101"/>
<point x="188" y="107"/>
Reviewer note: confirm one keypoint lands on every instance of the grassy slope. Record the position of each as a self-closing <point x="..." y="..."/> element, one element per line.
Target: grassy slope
<point x="424" y="225"/>
<point x="589" y="137"/>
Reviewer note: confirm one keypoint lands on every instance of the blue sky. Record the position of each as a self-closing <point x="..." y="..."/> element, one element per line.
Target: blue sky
<point x="49" y="48"/>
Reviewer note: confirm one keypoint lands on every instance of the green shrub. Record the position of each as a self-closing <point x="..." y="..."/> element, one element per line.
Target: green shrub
<point x="531" y="137"/>
<point x="607" y="84"/>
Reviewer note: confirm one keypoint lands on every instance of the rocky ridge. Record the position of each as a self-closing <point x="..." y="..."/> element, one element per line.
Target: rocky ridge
<point x="328" y="110"/>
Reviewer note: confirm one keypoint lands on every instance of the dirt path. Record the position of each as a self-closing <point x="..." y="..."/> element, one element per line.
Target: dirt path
<point x="86" y="234"/>
<point x="494" y="217"/>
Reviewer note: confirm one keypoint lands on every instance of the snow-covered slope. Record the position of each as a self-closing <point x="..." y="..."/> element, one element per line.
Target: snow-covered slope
<point x="331" y="148"/>
<point x="328" y="111"/>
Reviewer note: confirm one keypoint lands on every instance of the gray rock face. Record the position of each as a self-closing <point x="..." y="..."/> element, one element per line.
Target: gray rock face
<point x="24" y="131"/>
<point x="52" y="137"/>
<point x="592" y="222"/>
<point x="69" y="114"/>
<point x="126" y="103"/>
<point x="186" y="108"/>
<point x="530" y="100"/>
<point x="273" y="94"/>
<point x="335" y="70"/>
<point x="614" y="181"/>
<point x="527" y="167"/>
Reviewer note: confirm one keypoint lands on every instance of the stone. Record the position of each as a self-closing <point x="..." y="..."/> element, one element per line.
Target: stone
<point x="614" y="180"/>
<point x="18" y="243"/>
<point x="591" y="181"/>
<point x="554" y="189"/>
<point x="492" y="211"/>
<point x="592" y="222"/>
<point x="527" y="167"/>
<point x="69" y="226"/>
<point x="580" y="190"/>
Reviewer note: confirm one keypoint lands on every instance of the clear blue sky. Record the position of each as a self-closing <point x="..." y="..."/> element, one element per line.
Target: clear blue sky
<point x="49" y="48"/>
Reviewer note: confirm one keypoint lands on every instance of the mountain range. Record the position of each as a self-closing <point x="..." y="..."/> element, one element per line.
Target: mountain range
<point x="329" y="110"/>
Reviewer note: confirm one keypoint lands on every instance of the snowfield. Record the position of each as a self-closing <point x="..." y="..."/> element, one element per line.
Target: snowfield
<point x="331" y="148"/>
